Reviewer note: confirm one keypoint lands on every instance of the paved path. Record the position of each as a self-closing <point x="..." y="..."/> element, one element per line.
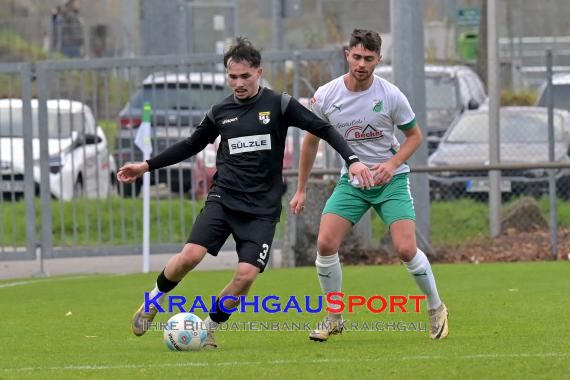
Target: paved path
<point x="114" y="264"/>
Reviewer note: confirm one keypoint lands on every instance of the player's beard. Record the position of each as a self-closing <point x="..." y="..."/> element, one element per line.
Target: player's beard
<point x="361" y="77"/>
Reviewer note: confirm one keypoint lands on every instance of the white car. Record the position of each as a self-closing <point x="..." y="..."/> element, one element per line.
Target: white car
<point x="79" y="159"/>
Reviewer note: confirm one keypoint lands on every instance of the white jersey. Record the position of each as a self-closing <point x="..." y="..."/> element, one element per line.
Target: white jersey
<point x="367" y="119"/>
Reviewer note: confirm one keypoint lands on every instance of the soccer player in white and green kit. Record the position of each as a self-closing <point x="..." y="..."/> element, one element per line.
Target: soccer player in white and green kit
<point x="366" y="109"/>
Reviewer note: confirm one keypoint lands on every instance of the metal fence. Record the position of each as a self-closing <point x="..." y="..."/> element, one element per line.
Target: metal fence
<point x="18" y="176"/>
<point x="88" y="112"/>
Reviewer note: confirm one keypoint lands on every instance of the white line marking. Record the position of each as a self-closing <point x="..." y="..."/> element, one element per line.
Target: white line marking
<point x="47" y="279"/>
<point x="10" y="284"/>
<point x="286" y="362"/>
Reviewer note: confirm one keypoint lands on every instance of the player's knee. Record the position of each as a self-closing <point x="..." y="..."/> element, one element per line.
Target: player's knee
<point x="190" y="259"/>
<point x="327" y="245"/>
<point x="405" y="250"/>
<point x="244" y="278"/>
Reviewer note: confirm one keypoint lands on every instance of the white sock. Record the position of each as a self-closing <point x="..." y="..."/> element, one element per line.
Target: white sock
<point x="210" y="325"/>
<point x="420" y="268"/>
<point x="154" y="292"/>
<point x="330" y="276"/>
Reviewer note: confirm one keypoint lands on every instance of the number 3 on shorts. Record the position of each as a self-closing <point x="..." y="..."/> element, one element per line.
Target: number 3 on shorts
<point x="263" y="254"/>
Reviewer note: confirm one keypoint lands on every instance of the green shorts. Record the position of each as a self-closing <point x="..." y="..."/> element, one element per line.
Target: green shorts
<point x="392" y="201"/>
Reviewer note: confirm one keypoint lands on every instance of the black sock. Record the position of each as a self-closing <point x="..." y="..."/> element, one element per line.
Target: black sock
<point x="164" y="284"/>
<point x="219" y="316"/>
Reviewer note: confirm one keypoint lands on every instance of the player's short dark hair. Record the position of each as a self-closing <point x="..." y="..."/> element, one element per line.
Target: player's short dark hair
<point x="369" y="39"/>
<point x="243" y="50"/>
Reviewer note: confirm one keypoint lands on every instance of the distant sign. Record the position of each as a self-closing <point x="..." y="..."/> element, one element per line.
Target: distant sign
<point x="468" y="16"/>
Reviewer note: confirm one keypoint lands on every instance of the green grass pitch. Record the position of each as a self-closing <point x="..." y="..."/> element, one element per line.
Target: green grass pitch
<point x="506" y="321"/>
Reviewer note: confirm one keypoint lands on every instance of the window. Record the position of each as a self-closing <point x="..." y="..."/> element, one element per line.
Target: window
<point x="476" y="87"/>
<point x="173" y="96"/>
<point x="465" y="92"/>
<point x="441" y="93"/>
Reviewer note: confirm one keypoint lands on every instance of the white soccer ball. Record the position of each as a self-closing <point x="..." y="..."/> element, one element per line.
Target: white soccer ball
<point x="184" y="332"/>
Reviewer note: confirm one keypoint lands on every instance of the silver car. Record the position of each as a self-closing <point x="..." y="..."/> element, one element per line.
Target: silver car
<point x="524" y="139"/>
<point x="79" y="160"/>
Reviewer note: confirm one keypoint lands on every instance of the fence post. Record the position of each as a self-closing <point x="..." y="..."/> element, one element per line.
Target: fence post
<point x="494" y="120"/>
<point x="288" y="243"/>
<point x="46" y="238"/>
<point x="551" y="172"/>
<point x="29" y="187"/>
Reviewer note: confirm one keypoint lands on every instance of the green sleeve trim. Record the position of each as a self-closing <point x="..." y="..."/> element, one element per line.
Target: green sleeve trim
<point x="407" y="126"/>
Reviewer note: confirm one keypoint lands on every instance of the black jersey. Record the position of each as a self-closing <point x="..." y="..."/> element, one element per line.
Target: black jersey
<point x="249" y="161"/>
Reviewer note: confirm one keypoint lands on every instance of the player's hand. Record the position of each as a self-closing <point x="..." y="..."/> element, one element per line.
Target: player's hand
<point x="297" y="203"/>
<point x="130" y="172"/>
<point x="361" y="172"/>
<point x="383" y="173"/>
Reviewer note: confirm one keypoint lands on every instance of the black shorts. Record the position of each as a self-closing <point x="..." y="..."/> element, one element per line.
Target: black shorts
<point x="253" y="236"/>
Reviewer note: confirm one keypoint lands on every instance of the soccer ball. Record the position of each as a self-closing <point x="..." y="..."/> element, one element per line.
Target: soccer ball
<point x="184" y="332"/>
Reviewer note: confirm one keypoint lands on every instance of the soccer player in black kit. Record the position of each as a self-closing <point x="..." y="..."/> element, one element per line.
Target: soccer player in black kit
<point x="245" y="198"/>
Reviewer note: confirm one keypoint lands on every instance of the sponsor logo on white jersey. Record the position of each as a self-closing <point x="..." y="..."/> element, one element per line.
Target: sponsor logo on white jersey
<point x="334" y="108"/>
<point x="357" y="133"/>
<point x="352" y="123"/>
<point x="378" y="105"/>
<point x="249" y="143"/>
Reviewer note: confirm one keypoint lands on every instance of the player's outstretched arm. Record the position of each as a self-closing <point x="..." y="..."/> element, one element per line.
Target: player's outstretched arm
<point x="205" y="133"/>
<point x="178" y="152"/>
<point x="130" y="172"/>
<point x="302" y="118"/>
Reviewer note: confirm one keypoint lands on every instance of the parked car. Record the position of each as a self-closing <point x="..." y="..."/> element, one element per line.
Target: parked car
<point x="524" y="139"/>
<point x="79" y="160"/>
<point x="179" y="102"/>
<point x="561" y="92"/>
<point x="450" y="90"/>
